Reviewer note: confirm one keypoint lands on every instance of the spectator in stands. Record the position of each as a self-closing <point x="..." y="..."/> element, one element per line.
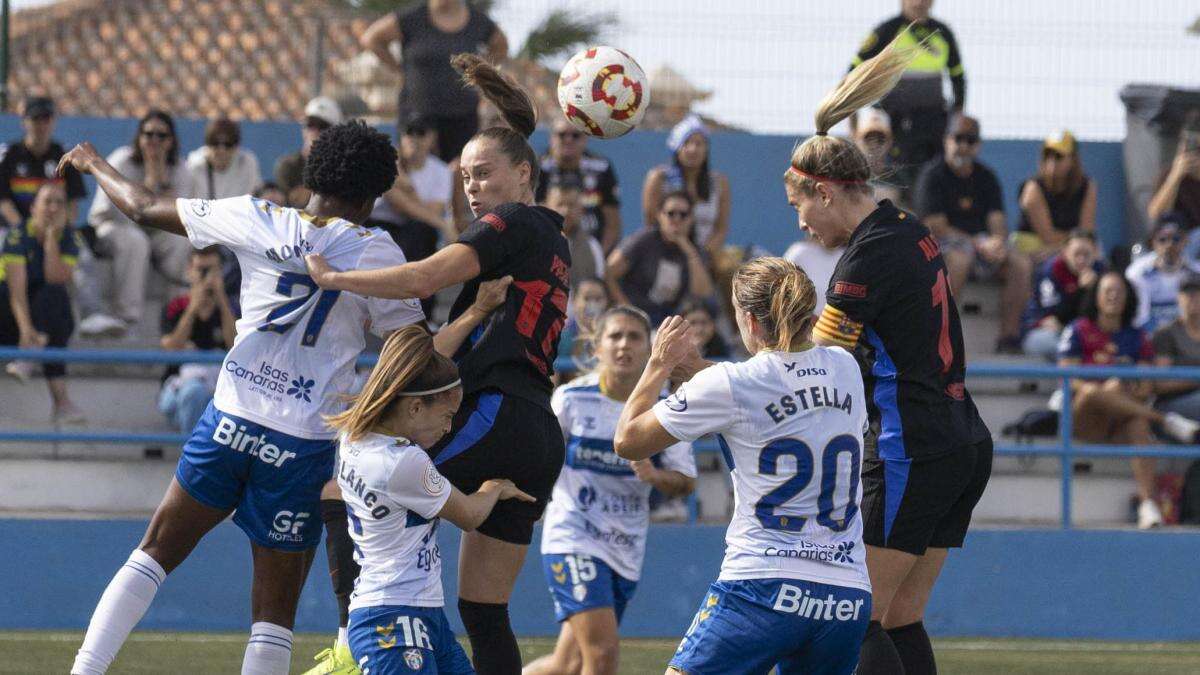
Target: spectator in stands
<point x="1059" y="199"/>
<point x="1178" y="344"/>
<point x="690" y="171"/>
<point x="1057" y="293"/>
<point x="916" y="106"/>
<point x="1179" y="188"/>
<point x="817" y="261"/>
<point x="35" y="305"/>
<point x="589" y="299"/>
<point x="871" y="130"/>
<point x="28" y="162"/>
<point x="569" y="160"/>
<point x="222" y="167"/>
<point x="704" y="329"/>
<point x="959" y="200"/>
<point x="657" y="267"/>
<point x="429" y="34"/>
<point x="1113" y="410"/>
<point x="414" y="212"/>
<point x="587" y="258"/>
<point x="320" y="113"/>
<point x="1156" y="276"/>
<point x="153" y="159"/>
<point x="201" y="319"/>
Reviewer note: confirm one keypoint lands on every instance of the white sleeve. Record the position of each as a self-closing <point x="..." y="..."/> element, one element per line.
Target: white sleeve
<point x="700" y="406"/>
<point x="1143" y="296"/>
<point x="416" y="484"/>
<point x="597" y="256"/>
<point x="388" y="315"/>
<point x="217" y="221"/>
<point x="679" y="457"/>
<point x="558" y="403"/>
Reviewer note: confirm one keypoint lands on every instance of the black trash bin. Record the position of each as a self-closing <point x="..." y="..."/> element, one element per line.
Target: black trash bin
<point x="1153" y="117"/>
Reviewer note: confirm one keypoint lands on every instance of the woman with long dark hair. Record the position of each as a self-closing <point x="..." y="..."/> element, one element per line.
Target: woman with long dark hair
<point x="690" y="170"/>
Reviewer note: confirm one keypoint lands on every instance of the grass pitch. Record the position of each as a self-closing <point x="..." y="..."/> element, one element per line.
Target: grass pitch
<point x="29" y="652"/>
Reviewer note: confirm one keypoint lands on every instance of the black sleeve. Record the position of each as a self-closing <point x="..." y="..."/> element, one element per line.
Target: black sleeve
<point x="498" y="235"/>
<point x="6" y="171"/>
<point x="877" y="40"/>
<point x="993" y="194"/>
<point x="954" y="66"/>
<point x="608" y="187"/>
<point x="862" y="280"/>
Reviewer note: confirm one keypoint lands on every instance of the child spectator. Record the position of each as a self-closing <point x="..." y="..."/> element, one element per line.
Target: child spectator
<point x="35" y="305"/>
<point x="656" y="268"/>
<point x="1059" y="199"/>
<point x="570" y="162"/>
<point x="704" y="329"/>
<point x="589" y="299"/>
<point x="1156" y="276"/>
<point x="200" y="319"/>
<point x="28" y="162"/>
<point x="1058" y="290"/>
<point x="587" y="257"/>
<point x="690" y="172"/>
<point x="222" y="168"/>
<point x="1113" y="410"/>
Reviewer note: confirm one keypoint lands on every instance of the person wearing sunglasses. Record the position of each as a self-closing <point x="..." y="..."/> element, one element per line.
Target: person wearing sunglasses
<point x="569" y="162"/>
<point x="320" y="113"/>
<point x="223" y="167"/>
<point x="151" y="160"/>
<point x="28" y="162"/>
<point x="1156" y="275"/>
<point x="659" y="266"/>
<point x="1058" y="199"/>
<point x="959" y="199"/>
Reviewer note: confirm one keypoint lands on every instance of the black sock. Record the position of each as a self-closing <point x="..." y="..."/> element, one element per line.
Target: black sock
<point x="878" y="655"/>
<point x="912" y="644"/>
<point x="494" y="648"/>
<point x="343" y="571"/>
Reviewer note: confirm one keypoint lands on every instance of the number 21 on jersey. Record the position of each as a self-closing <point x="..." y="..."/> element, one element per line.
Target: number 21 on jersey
<point x="284" y="316"/>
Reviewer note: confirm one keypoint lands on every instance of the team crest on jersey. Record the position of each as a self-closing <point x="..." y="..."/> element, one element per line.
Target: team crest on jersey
<point x="432" y="481"/>
<point x="677" y="401"/>
<point x="201" y="207"/>
<point x="413" y="659"/>
<point x="579" y="592"/>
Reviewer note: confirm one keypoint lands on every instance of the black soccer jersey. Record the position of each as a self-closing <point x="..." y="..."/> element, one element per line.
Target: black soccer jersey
<point x="514" y="350"/>
<point x="889" y="300"/>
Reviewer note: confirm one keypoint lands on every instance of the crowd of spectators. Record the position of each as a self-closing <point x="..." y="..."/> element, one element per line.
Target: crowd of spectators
<point x="1057" y="296"/>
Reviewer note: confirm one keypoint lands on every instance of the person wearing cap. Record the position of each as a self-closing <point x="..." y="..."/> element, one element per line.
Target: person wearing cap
<point x="1179" y="188"/>
<point x="1156" y="276"/>
<point x="569" y="162"/>
<point x="959" y="199"/>
<point x="690" y="171"/>
<point x="871" y="131"/>
<point x="414" y="211"/>
<point x="1057" y="200"/>
<point x="1178" y="344"/>
<point x="28" y="162"/>
<point x="321" y="113"/>
<point x="430" y="33"/>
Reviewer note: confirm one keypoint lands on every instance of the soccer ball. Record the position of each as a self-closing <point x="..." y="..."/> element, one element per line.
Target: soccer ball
<point x="603" y="92"/>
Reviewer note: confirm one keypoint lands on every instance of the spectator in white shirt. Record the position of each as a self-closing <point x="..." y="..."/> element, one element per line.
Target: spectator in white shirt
<point x="817" y="262"/>
<point x="152" y="159"/>
<point x="222" y="167"/>
<point x="1156" y="276"/>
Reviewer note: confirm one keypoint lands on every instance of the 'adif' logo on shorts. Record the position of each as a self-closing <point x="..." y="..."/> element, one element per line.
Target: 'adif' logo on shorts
<point x="229" y="434"/>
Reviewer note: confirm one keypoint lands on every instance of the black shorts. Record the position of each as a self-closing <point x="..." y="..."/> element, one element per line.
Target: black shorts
<point x="913" y="504"/>
<point x="496" y="435"/>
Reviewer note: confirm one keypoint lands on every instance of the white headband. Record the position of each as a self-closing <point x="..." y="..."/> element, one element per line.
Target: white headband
<point x="428" y="392"/>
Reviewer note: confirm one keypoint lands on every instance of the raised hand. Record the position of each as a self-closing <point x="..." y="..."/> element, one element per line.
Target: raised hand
<point x="673" y="344"/>
<point x="83" y="157"/>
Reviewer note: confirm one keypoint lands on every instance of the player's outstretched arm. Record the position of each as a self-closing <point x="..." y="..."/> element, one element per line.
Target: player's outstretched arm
<point x="452" y="265"/>
<point x="490" y="296"/>
<point x="639" y="433"/>
<point x="468" y="511"/>
<point x="133" y="199"/>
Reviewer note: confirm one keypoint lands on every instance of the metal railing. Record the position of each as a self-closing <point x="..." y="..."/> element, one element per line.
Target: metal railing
<point x="1067" y="448"/>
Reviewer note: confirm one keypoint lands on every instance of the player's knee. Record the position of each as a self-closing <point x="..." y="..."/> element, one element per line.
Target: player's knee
<point x="904" y="610"/>
<point x="600" y="653"/>
<point x="331" y="491"/>
<point x="483" y="618"/>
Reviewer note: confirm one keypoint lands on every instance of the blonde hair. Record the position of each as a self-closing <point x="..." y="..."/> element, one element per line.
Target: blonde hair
<point x="824" y="158"/>
<point x="408" y="366"/>
<point x="781" y="297"/>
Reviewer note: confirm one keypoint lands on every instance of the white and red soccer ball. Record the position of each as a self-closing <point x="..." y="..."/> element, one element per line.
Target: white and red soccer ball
<point x="603" y="92"/>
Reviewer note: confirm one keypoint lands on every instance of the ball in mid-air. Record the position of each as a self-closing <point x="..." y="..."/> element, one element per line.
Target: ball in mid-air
<point x="603" y="92"/>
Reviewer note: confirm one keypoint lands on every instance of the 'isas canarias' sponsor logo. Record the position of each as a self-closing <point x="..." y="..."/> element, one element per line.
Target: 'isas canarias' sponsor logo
<point x="838" y="553"/>
<point x="273" y="383"/>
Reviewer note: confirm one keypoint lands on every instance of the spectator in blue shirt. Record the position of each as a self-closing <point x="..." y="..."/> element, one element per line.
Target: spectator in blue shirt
<point x="1057" y="292"/>
<point x="1156" y="276"/>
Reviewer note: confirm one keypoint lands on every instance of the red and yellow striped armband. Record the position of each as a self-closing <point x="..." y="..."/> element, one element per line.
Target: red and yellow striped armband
<point x="834" y="327"/>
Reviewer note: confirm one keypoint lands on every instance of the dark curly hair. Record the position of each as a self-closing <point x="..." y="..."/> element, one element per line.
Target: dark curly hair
<point x="1089" y="306"/>
<point x="352" y="162"/>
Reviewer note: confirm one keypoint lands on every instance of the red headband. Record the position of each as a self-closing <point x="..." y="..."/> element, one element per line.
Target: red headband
<point x="822" y="179"/>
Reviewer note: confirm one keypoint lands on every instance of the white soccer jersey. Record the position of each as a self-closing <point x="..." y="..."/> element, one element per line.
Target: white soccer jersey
<point x="791" y="427"/>
<point x="296" y="344"/>
<point x="599" y="507"/>
<point x="393" y="494"/>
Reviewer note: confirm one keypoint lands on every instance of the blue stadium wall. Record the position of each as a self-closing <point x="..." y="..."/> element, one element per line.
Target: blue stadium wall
<point x="753" y="163"/>
<point x="1113" y="585"/>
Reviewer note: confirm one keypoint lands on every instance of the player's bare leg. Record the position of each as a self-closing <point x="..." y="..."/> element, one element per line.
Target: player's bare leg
<point x="278" y="578"/>
<point x="487" y="571"/>
<point x="888" y="569"/>
<point x="596" y="635"/>
<point x="566" y="659"/>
